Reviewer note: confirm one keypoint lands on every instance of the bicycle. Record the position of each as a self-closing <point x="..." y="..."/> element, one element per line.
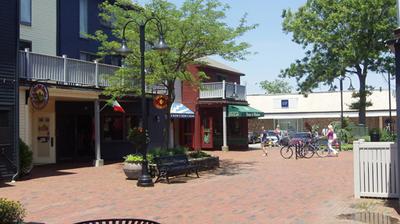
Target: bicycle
<point x="297" y="146"/>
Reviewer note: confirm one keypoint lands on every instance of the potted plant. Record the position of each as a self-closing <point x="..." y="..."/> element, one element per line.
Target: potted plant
<point x="133" y="166"/>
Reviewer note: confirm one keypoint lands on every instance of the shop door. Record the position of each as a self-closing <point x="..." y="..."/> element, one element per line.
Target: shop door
<point x="207" y="133"/>
<point x="44" y="142"/>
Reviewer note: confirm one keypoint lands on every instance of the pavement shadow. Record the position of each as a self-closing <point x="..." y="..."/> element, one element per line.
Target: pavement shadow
<point x="51" y="170"/>
<point x="230" y="167"/>
<point x="393" y="203"/>
<point x="4" y="184"/>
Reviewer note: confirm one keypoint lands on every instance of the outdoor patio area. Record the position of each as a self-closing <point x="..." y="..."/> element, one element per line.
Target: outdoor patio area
<point x="247" y="188"/>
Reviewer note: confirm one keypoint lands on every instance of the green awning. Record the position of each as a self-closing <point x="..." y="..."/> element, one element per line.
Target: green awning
<point x="243" y="111"/>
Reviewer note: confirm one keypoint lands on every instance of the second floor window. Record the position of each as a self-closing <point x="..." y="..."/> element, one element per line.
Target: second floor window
<point x="26" y="12"/>
<point x="83" y="18"/>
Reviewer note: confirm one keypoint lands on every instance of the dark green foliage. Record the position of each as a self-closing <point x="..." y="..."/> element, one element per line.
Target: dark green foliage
<point x="11" y="212"/>
<point x="276" y="86"/>
<point x="343" y="37"/>
<point x="386" y="136"/>
<point x="25" y="157"/>
<point x="347" y="147"/>
<point x="198" y="154"/>
<point x="158" y="152"/>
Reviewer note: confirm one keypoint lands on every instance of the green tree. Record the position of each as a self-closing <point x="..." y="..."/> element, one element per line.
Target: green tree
<point x="276" y="86"/>
<point x="193" y="31"/>
<point x="340" y="37"/>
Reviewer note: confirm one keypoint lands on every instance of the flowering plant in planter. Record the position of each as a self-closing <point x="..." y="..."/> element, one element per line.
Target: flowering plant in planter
<point x="139" y="137"/>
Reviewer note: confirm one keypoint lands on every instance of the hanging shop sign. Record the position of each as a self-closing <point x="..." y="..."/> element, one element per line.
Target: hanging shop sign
<point x="160" y="102"/>
<point x="39" y="95"/>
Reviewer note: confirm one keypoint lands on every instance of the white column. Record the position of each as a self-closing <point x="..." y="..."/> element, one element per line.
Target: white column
<point x="224" y="130"/>
<point x="98" y="161"/>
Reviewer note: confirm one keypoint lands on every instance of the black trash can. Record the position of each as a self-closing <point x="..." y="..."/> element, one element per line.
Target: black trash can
<point x="375" y="136"/>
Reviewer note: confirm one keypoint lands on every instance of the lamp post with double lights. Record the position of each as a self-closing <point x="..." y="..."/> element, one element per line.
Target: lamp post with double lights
<point x="351" y="88"/>
<point x="145" y="179"/>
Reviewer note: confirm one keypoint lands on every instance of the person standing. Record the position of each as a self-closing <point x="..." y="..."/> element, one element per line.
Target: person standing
<point x="331" y="137"/>
<point x="278" y="133"/>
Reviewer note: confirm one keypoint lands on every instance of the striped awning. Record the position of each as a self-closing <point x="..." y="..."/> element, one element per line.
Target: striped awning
<point x="179" y="110"/>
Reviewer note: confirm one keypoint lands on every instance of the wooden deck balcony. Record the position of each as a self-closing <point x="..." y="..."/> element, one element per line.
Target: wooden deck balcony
<point x="223" y="90"/>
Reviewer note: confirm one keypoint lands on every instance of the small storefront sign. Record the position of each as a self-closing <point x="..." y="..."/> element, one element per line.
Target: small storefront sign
<point x="160" y="102"/>
<point x="39" y="95"/>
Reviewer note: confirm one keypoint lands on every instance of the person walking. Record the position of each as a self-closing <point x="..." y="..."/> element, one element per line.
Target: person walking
<point x="264" y="140"/>
<point x="331" y="137"/>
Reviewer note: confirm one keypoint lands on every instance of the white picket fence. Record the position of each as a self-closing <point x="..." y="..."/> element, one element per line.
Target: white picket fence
<point x="375" y="169"/>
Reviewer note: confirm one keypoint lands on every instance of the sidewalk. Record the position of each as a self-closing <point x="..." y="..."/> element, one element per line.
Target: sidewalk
<point x="248" y="188"/>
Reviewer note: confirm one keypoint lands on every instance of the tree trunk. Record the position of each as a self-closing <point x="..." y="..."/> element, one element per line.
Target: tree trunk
<point x="363" y="100"/>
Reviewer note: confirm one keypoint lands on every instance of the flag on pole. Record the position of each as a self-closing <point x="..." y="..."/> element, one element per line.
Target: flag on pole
<point x="117" y="107"/>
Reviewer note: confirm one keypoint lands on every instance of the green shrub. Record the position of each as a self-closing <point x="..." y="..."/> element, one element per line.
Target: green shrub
<point x="25" y="157"/>
<point x="386" y="136"/>
<point x="347" y="147"/>
<point x="367" y="138"/>
<point x="198" y="154"/>
<point x="157" y="152"/>
<point x="11" y="211"/>
<point x="133" y="158"/>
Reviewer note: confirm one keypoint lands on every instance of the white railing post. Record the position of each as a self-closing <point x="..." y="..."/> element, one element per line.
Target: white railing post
<point x="235" y="93"/>
<point x="356" y="164"/>
<point x="96" y="73"/>
<point x="28" y="74"/>
<point x="65" y="68"/>
<point x="223" y="89"/>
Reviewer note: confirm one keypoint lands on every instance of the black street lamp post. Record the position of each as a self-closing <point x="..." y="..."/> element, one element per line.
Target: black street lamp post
<point x="145" y="179"/>
<point x="351" y="88"/>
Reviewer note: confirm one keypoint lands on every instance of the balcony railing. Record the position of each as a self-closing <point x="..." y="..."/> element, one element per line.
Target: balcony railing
<point x="64" y="71"/>
<point x="72" y="72"/>
<point x="223" y="90"/>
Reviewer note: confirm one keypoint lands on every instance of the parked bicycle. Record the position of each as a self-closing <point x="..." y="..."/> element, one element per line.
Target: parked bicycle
<point x="304" y="149"/>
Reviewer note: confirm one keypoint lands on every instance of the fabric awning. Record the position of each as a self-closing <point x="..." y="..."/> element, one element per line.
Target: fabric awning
<point x="179" y="110"/>
<point x="243" y="111"/>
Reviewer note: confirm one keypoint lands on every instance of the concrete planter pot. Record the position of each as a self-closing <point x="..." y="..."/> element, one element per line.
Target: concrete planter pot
<point x="132" y="170"/>
<point x="205" y="163"/>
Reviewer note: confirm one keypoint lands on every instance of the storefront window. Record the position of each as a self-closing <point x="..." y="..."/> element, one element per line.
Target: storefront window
<point x="234" y="126"/>
<point x="113" y="128"/>
<point x="5" y="129"/>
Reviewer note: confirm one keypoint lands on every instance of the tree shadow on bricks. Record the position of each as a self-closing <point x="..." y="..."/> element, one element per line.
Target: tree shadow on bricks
<point x="393" y="203"/>
<point x="230" y="167"/>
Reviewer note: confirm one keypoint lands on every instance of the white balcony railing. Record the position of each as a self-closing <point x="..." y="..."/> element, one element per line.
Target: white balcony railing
<point x="223" y="90"/>
<point x="64" y="71"/>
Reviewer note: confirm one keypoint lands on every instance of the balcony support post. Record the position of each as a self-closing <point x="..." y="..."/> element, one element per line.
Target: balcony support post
<point x="223" y="89"/>
<point x="96" y="74"/>
<point x="225" y="146"/>
<point x="28" y="73"/>
<point x="98" y="161"/>
<point x="65" y="68"/>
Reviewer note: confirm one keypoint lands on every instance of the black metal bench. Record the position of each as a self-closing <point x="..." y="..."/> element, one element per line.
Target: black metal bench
<point x="118" y="221"/>
<point x="169" y="166"/>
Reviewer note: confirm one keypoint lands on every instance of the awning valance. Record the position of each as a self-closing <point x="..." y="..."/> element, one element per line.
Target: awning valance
<point x="243" y="111"/>
<point x="179" y="110"/>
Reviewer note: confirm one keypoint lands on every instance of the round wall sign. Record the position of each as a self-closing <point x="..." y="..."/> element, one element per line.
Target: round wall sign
<point x="39" y="95"/>
<point x="160" y="102"/>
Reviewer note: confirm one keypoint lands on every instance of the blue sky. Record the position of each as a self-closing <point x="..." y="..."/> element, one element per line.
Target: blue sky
<point x="275" y="50"/>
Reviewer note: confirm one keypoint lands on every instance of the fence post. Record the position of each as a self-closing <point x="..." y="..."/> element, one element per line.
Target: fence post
<point x="96" y="74"/>
<point x="28" y="74"/>
<point x="223" y="89"/>
<point x="65" y="68"/>
<point x="356" y="164"/>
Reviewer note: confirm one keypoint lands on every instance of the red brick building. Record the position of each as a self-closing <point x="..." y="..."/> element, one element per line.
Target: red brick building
<point x="220" y="109"/>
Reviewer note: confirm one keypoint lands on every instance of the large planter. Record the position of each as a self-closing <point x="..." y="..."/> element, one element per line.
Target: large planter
<point x="132" y="170"/>
<point x="205" y="163"/>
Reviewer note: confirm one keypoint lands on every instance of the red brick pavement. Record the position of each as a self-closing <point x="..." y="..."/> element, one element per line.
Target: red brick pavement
<point x="248" y="188"/>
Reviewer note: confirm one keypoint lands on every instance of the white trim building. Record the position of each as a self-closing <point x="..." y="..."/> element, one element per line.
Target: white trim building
<point x="292" y="111"/>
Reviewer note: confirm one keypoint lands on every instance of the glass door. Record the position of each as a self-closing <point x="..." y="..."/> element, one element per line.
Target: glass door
<point x="207" y="133"/>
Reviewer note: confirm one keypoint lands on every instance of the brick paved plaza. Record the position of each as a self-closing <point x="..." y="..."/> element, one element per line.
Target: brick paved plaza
<point x="248" y="188"/>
